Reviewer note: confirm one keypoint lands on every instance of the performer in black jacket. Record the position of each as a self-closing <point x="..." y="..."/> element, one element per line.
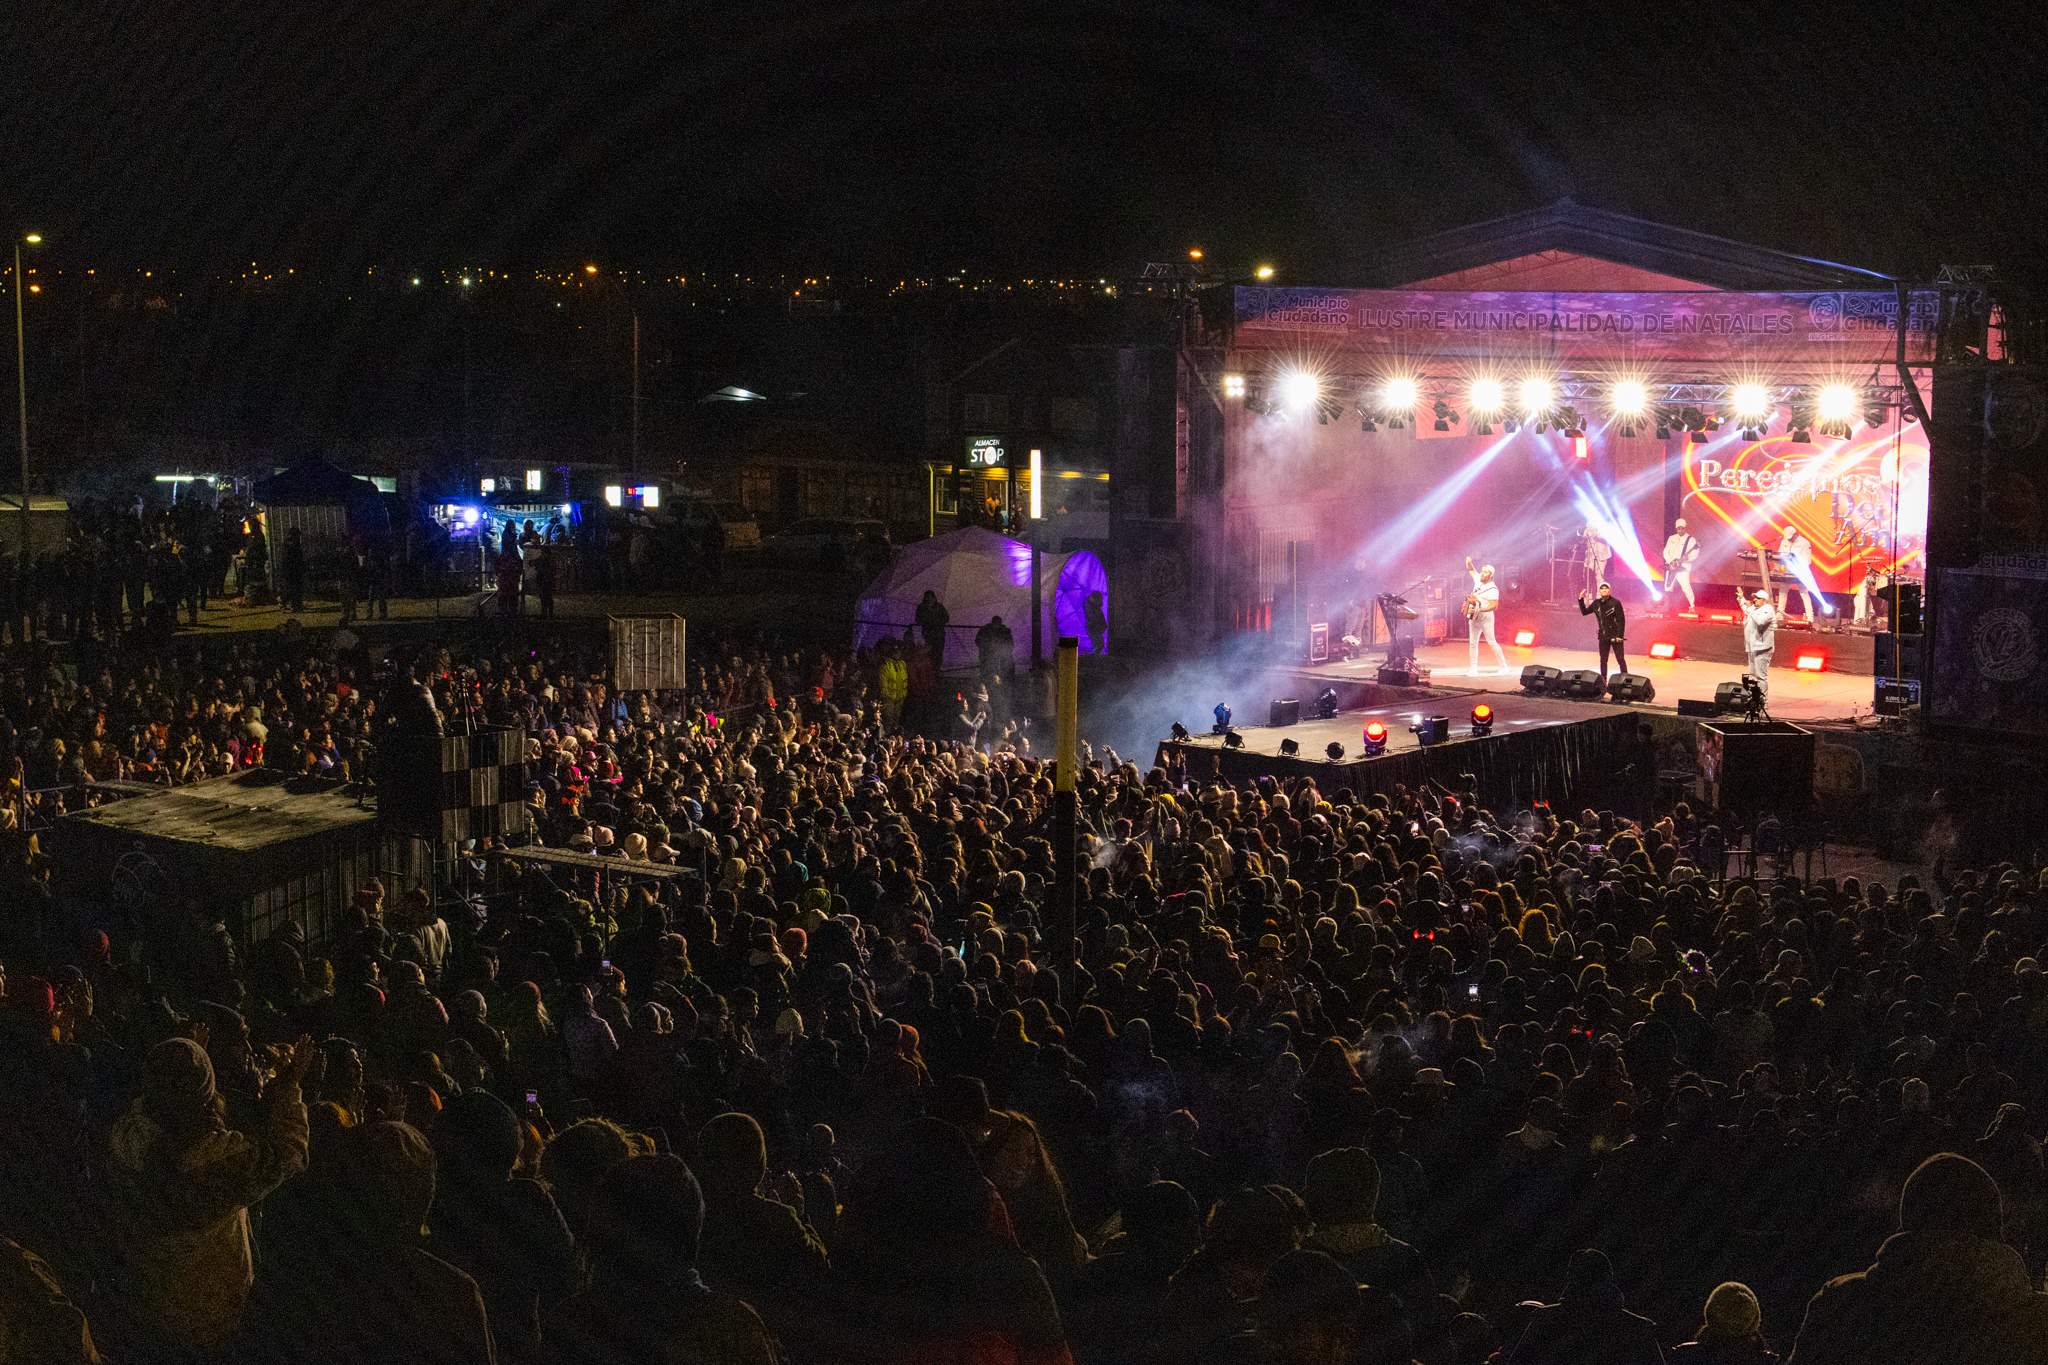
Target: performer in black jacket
<point x="1613" y="625"/>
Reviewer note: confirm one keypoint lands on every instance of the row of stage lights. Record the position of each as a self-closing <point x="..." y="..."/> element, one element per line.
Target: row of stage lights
<point x="1539" y="404"/>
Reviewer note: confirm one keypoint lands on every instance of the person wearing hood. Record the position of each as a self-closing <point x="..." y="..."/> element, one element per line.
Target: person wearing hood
<point x="1944" y="1287"/>
<point x="1588" y="1326"/>
<point x="183" y="1182"/>
<point x="1342" y="1196"/>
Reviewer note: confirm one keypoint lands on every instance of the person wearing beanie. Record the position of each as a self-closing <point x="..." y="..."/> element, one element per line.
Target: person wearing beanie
<point x="1342" y="1194"/>
<point x="1731" y="1331"/>
<point x="182" y="1182"/>
<point x="1944" y="1287"/>
<point x="1590" y="1324"/>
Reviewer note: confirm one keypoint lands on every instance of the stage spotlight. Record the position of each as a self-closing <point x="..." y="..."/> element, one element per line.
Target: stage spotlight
<point x="1222" y="714"/>
<point x="1232" y="740"/>
<point x="1365" y="422"/>
<point x="1525" y="637"/>
<point x="1663" y="649"/>
<point x="1485" y="396"/>
<point x="1482" y="719"/>
<point x="1875" y="412"/>
<point x="1751" y="400"/>
<point x="1290" y="748"/>
<point x="1334" y="750"/>
<point x="1630" y="398"/>
<point x="1569" y="422"/>
<point x="1180" y="732"/>
<point x="1811" y="663"/>
<point x="1326" y="703"/>
<point x="1536" y="395"/>
<point x="1233" y="386"/>
<point x="1375" y="741"/>
<point x="1399" y="395"/>
<point x="1298" y="390"/>
<point x="1837" y="409"/>
<point x="1444" y="415"/>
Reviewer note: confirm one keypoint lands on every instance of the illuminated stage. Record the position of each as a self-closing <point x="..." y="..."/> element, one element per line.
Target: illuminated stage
<point x="1541" y="748"/>
<point x="1795" y="695"/>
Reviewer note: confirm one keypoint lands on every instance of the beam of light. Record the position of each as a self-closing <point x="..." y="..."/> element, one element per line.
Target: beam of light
<point x="1395" y="539"/>
<point x="1804" y="573"/>
<point x="1611" y="519"/>
<point x="1298" y="390"/>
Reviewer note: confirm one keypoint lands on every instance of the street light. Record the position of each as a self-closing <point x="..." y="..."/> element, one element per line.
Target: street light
<point x="21" y="383"/>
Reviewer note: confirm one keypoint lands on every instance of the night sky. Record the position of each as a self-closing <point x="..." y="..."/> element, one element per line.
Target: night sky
<point x="1069" y="138"/>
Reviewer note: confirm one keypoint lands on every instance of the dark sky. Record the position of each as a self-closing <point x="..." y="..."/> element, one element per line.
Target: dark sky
<point x="1053" y="138"/>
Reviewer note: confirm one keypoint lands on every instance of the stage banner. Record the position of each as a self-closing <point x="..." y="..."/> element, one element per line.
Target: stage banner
<point x="1987" y="666"/>
<point x="1834" y="328"/>
<point x="1859" y="502"/>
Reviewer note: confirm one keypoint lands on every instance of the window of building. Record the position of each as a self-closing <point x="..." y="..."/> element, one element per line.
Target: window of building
<point x="988" y="410"/>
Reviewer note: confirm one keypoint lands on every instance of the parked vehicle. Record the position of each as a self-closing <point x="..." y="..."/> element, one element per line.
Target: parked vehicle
<point x="694" y="514"/>
<point x="819" y="540"/>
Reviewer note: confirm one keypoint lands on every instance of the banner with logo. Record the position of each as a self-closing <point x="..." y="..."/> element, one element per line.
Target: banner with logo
<point x="1986" y="670"/>
<point x="1860" y="503"/>
<point x="1827" y="328"/>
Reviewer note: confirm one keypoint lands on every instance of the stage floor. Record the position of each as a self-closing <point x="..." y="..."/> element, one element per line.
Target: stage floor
<point x="1794" y="695"/>
<point x="1514" y="713"/>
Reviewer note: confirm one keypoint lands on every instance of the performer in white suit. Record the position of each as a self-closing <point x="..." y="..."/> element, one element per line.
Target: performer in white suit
<point x="1480" y="605"/>
<point x="1681" y="550"/>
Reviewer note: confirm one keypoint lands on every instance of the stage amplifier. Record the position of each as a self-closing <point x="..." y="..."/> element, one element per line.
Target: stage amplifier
<point x="1628" y="687"/>
<point x="1582" y="684"/>
<point x="1692" y="706"/>
<point x="1540" y="678"/>
<point x="1411" y="676"/>
<point x="1287" y="712"/>
<point x="1894" y="695"/>
<point x="1895" y="655"/>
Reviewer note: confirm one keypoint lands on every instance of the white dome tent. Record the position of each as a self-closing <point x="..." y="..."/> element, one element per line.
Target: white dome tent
<point x="978" y="574"/>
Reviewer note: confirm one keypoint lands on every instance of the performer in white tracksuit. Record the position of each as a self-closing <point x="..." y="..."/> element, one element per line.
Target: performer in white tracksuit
<point x="1487" y="593"/>
<point x="1681" y="549"/>
<point x="1759" y="637"/>
<point x="1597" y="555"/>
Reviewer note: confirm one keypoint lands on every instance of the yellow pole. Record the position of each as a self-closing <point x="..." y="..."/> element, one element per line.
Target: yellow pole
<point x="1066" y="822"/>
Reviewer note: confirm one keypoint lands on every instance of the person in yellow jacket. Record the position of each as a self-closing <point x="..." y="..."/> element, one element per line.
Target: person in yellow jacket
<point x="895" y="686"/>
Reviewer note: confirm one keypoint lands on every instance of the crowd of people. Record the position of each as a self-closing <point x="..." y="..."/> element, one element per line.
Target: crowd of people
<point x="796" y="1067"/>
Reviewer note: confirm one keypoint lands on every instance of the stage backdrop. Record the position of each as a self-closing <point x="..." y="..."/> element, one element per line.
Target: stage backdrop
<point x="1860" y="502"/>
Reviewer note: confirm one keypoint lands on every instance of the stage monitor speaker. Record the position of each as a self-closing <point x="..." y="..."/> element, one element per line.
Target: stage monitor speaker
<point x="1762" y="765"/>
<point x="1284" y="712"/>
<point x="1540" y="678"/>
<point x="1893" y="696"/>
<point x="1895" y="656"/>
<point x="1693" y="706"/>
<point x="1582" y="684"/>
<point x="1728" y="696"/>
<point x="1434" y="730"/>
<point x="1411" y="676"/>
<point x="1628" y="687"/>
<point x="1906" y="614"/>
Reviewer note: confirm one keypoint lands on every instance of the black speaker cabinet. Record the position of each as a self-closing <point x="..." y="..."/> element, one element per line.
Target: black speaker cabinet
<point x="1580" y="683"/>
<point x="1627" y="687"/>
<point x="1540" y="678"/>
<point x="1284" y="712"/>
<point x="1895" y="656"/>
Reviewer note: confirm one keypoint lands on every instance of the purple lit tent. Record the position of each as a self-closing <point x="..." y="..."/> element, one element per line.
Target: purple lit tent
<point x="978" y="574"/>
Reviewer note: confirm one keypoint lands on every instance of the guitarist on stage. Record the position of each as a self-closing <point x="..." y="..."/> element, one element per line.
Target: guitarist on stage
<point x="1479" y="608"/>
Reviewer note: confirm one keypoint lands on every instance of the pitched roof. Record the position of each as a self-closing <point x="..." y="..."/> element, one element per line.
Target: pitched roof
<point x="1680" y="253"/>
